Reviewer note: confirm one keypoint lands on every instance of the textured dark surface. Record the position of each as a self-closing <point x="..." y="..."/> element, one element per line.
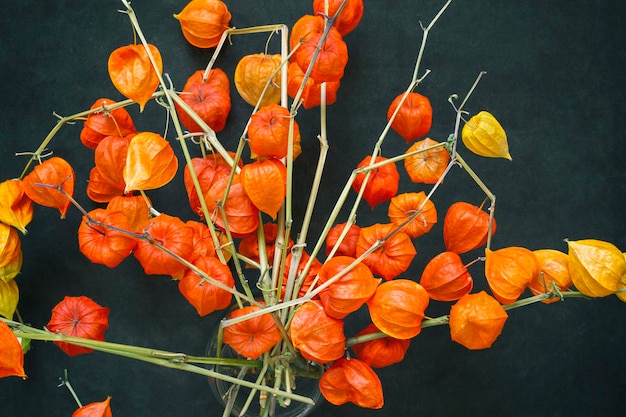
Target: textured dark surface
<point x="554" y="80"/>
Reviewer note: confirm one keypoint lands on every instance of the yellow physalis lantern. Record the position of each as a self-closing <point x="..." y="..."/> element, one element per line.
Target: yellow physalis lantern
<point x="9" y="296"/>
<point x="484" y="136"/>
<point x="9" y="271"/>
<point x="596" y="267"/>
<point x="621" y="287"/>
<point x="251" y="76"/>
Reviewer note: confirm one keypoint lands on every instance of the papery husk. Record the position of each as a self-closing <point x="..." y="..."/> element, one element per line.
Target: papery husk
<point x="9" y="297"/>
<point x="150" y="163"/>
<point x="95" y="409"/>
<point x="352" y="380"/>
<point x="397" y="308"/>
<point x="596" y="267"/>
<point x="10" y="250"/>
<point x="132" y="72"/>
<point x="316" y="335"/>
<point x="476" y="320"/>
<point x="509" y="271"/>
<point x="484" y="136"/>
<point x="16" y="208"/>
<point x="252" y="74"/>
<point x="12" y="357"/>
<point x="44" y="182"/>
<point x="553" y="271"/>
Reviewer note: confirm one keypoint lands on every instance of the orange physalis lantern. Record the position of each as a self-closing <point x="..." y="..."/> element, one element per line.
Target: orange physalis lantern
<point x="476" y="320"/>
<point x="207" y="170"/>
<point x="170" y="233"/>
<point x="16" y="208"/>
<point x="318" y="336"/>
<point x="10" y="245"/>
<point x="265" y="183"/>
<point x="252" y="75"/>
<point x="269" y="131"/>
<point x="134" y="207"/>
<point x="203" y="22"/>
<point x="428" y="164"/>
<point x="331" y="59"/>
<point x="204" y="296"/>
<point x="392" y="257"/>
<point x="242" y="216"/>
<point x="44" y="184"/>
<point x="150" y="163"/>
<point x="333" y="56"/>
<point x="397" y="308"/>
<point x="349" y="292"/>
<point x="302" y="283"/>
<point x="203" y="244"/>
<point x="381" y="352"/>
<point x="465" y="227"/>
<point x="347" y="247"/>
<point x="209" y="98"/>
<point x="596" y="267"/>
<point x="446" y="278"/>
<point x="101" y="190"/>
<point x="79" y="317"/>
<point x="352" y="380"/>
<point x="216" y="164"/>
<point x="12" y="358"/>
<point x="96" y="409"/>
<point x="311" y="94"/>
<point x="110" y="158"/>
<point x="382" y="183"/>
<point x="102" y="240"/>
<point x="99" y="125"/>
<point x="305" y="27"/>
<point x="509" y="271"/>
<point x="407" y="205"/>
<point x="553" y="270"/>
<point x="133" y="74"/>
<point x="252" y="337"/>
<point x="414" y="118"/>
<point x="349" y="17"/>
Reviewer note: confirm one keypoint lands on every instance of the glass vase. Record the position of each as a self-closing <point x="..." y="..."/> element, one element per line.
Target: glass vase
<point x="238" y="395"/>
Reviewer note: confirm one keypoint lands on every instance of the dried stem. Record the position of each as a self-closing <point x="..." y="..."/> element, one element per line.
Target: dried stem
<point x="172" y="360"/>
<point x="66" y="383"/>
<point x="490" y="195"/>
<point x="38" y="153"/>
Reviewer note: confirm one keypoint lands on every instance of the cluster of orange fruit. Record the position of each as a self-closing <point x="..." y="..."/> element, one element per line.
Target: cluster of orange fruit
<point x="364" y="264"/>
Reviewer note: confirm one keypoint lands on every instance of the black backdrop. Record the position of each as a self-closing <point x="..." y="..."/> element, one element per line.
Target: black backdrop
<point x="554" y="80"/>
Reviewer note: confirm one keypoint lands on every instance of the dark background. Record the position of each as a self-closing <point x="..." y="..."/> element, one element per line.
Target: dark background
<point x="554" y="80"/>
